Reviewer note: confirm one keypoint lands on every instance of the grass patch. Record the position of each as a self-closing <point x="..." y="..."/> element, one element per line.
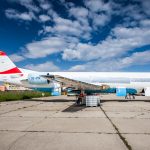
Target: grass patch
<point x="20" y="95"/>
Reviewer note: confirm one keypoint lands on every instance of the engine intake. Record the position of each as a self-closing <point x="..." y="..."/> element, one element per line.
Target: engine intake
<point x="37" y="79"/>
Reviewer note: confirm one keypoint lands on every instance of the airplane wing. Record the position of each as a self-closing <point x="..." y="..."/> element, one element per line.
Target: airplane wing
<point x="67" y="82"/>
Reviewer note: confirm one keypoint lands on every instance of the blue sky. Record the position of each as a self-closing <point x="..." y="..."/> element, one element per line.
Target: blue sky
<point x="76" y="35"/>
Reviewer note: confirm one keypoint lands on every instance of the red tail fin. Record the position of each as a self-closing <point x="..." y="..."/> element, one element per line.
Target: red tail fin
<point x="6" y="65"/>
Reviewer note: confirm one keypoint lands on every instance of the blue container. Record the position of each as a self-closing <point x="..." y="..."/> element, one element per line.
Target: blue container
<point x="121" y="91"/>
<point x="55" y="93"/>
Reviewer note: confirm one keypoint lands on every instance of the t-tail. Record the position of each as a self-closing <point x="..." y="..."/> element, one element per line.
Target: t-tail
<point x="7" y="66"/>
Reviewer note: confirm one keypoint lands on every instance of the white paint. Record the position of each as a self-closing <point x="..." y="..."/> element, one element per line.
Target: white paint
<point x="6" y="64"/>
<point x="92" y="100"/>
<point x="147" y="91"/>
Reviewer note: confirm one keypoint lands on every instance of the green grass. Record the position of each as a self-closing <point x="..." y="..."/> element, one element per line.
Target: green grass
<point x="20" y="95"/>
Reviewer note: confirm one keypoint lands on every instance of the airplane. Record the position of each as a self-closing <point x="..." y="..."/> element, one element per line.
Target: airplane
<point x="120" y="83"/>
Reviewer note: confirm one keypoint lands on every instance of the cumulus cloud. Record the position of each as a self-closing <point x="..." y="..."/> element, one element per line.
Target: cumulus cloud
<point x="82" y="16"/>
<point x="97" y="5"/>
<point x="99" y="12"/>
<point x="47" y="66"/>
<point x="16" y="57"/>
<point x="114" y="64"/>
<point x="73" y="36"/>
<point x="28" y="4"/>
<point x="13" y="14"/>
<point x="47" y="29"/>
<point x="119" y="43"/>
<point x="133" y="12"/>
<point x="45" y="47"/>
<point x="100" y="19"/>
<point x="66" y="27"/>
<point x="145" y="23"/>
<point x="45" y="5"/>
<point x="44" y="18"/>
<point x="78" y="12"/>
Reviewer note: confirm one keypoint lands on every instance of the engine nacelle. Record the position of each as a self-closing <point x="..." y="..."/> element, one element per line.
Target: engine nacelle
<point x="37" y="79"/>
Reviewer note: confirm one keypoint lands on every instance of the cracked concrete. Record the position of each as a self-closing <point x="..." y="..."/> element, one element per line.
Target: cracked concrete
<point x="117" y="131"/>
<point x="56" y="123"/>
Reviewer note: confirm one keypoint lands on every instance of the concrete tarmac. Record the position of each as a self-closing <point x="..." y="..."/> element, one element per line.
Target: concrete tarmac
<point x="55" y="123"/>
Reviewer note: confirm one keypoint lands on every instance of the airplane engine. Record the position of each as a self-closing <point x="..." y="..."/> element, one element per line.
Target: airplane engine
<point x="37" y="79"/>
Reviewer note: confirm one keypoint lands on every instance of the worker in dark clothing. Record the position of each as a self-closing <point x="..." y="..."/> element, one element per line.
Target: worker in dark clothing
<point x="80" y="98"/>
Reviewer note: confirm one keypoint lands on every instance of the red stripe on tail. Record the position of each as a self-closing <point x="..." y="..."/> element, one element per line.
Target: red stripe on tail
<point x="2" y="53"/>
<point x="11" y="71"/>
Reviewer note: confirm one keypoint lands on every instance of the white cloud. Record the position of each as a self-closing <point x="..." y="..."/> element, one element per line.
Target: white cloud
<point x="119" y="43"/>
<point x="81" y="15"/>
<point x="99" y="12"/>
<point x="48" y="29"/>
<point x="145" y="23"/>
<point x="47" y="66"/>
<point x="66" y="27"/>
<point x="53" y="14"/>
<point x="45" y="47"/>
<point x="69" y="36"/>
<point x="100" y="20"/>
<point x="28" y="4"/>
<point x="45" y="5"/>
<point x="44" y="18"/>
<point x="78" y="12"/>
<point x="133" y="12"/>
<point x="137" y="58"/>
<point x="13" y="14"/>
<point x="115" y="64"/>
<point x="16" y="57"/>
<point x="70" y="54"/>
<point x="97" y="5"/>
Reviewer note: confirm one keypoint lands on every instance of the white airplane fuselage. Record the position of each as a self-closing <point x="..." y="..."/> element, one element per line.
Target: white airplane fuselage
<point x="10" y="73"/>
<point x="134" y="80"/>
